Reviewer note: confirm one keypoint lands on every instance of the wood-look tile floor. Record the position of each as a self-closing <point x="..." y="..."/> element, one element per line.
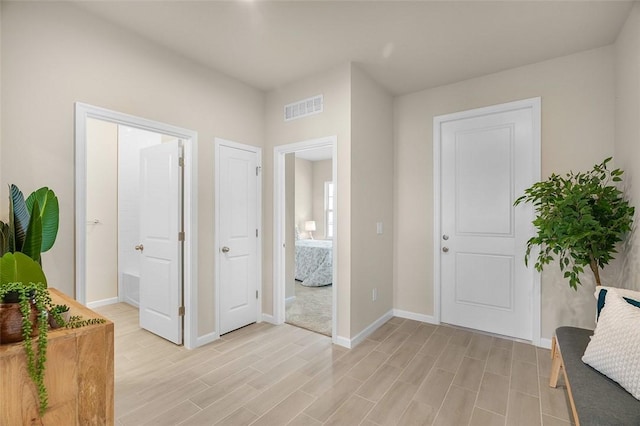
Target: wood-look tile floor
<point x="406" y="373"/>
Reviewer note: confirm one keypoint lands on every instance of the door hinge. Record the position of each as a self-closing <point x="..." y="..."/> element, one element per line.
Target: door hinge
<point x="181" y="161"/>
<point x="256" y="233"/>
<point x="181" y="236"/>
<point x="256" y="294"/>
<point x="258" y="168"/>
<point x="181" y="311"/>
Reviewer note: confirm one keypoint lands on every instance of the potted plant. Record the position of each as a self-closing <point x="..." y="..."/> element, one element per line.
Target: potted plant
<point x="22" y="280"/>
<point x="58" y="316"/>
<point x="24" y="299"/>
<point x="580" y="217"/>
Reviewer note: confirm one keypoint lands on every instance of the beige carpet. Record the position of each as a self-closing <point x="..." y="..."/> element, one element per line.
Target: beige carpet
<point x="311" y="308"/>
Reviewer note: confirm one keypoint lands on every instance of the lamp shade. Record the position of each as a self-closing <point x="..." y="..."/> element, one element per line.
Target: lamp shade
<point x="310" y="225"/>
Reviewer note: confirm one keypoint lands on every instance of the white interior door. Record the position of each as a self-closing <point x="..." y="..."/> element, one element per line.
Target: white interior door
<point x="238" y="237"/>
<point x="487" y="162"/>
<point x="161" y="248"/>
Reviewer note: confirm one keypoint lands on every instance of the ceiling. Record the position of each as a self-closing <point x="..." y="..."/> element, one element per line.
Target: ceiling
<point x="405" y="45"/>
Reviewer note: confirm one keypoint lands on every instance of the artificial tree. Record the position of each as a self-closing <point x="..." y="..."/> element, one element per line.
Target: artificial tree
<point x="580" y="218"/>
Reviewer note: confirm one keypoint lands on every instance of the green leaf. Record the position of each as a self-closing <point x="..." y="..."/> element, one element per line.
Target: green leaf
<point x="49" y="213"/>
<point x="5" y="236"/>
<point x="33" y="239"/>
<point x="18" y="267"/>
<point x="20" y="215"/>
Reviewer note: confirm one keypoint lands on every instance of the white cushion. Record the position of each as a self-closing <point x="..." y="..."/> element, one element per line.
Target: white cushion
<point x="614" y="349"/>
<point x="631" y="294"/>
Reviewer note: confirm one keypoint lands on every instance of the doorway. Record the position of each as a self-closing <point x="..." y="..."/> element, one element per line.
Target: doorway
<point x="305" y="235"/>
<point x="161" y="143"/>
<point x="483" y="160"/>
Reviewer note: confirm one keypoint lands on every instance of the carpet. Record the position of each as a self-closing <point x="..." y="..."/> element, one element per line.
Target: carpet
<point x="311" y="309"/>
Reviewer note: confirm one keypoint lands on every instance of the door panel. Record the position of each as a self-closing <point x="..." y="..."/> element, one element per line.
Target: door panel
<point x="486" y="163"/>
<point x="238" y="225"/>
<point x="160" y="219"/>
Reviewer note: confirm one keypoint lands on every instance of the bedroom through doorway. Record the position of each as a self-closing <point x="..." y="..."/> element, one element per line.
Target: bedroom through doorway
<point x="307" y="220"/>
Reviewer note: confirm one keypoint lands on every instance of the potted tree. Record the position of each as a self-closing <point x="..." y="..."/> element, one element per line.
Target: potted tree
<point x="580" y="217"/>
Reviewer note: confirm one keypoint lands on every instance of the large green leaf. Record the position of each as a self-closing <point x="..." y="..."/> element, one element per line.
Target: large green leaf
<point x="18" y="267"/>
<point x="20" y="215"/>
<point x="49" y="213"/>
<point x="33" y="239"/>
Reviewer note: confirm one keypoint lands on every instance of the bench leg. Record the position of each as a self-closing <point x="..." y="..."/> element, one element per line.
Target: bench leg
<point x="570" y="394"/>
<point x="556" y="363"/>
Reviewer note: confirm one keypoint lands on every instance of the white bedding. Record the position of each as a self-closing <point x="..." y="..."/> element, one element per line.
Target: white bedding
<point x="314" y="262"/>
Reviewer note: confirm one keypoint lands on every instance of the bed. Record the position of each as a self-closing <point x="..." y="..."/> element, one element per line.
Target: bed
<point x="314" y="262"/>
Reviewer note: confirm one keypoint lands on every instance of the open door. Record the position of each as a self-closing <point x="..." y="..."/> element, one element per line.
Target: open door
<point x="161" y="310"/>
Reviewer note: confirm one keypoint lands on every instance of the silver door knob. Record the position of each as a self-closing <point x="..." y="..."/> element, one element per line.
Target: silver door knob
<point x="445" y="237"/>
<point x="445" y="249"/>
<point x="225" y="249"/>
<point x="139" y="247"/>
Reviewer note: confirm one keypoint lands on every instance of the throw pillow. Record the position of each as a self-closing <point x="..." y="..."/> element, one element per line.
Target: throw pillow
<point x="613" y="349"/>
<point x="631" y="296"/>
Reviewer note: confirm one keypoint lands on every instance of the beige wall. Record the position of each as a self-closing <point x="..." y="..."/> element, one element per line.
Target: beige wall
<point x="371" y="200"/>
<point x="2" y="212"/>
<point x="627" y="133"/>
<point x="304" y="194"/>
<point x="322" y="172"/>
<point x="55" y="54"/>
<point x="335" y="85"/>
<point x="577" y="131"/>
<point x="102" y="203"/>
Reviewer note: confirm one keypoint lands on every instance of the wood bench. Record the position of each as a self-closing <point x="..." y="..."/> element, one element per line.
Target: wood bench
<point x="595" y="399"/>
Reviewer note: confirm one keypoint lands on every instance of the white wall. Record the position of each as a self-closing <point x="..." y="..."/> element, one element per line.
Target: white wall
<point x="54" y="54"/>
<point x="627" y="133"/>
<point x="577" y="132"/>
<point x="102" y="205"/>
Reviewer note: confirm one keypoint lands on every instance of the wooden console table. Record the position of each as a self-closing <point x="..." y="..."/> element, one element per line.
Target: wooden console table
<point x="78" y="377"/>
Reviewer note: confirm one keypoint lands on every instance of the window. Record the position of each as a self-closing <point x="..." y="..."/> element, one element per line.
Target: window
<point x="328" y="209"/>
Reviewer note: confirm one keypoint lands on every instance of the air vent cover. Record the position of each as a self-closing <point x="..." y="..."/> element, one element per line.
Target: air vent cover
<point x="303" y="108"/>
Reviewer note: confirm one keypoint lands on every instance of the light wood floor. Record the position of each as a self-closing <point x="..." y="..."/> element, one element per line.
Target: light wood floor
<point x="406" y="373"/>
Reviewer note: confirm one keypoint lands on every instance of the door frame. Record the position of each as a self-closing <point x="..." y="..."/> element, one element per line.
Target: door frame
<point x="218" y="142"/>
<point x="534" y="104"/>
<point x="190" y="205"/>
<point x="279" y="228"/>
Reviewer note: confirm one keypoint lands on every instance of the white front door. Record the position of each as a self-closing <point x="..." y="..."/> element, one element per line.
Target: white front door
<point x="487" y="161"/>
<point x="161" y="248"/>
<point x="238" y="237"/>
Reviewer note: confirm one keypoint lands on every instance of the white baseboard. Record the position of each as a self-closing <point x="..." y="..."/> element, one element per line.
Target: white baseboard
<point x="545" y="343"/>
<point x="103" y="302"/>
<point x="268" y="318"/>
<point x="342" y="341"/>
<point x="416" y="317"/>
<point x="206" y="339"/>
<point x="370" y="329"/>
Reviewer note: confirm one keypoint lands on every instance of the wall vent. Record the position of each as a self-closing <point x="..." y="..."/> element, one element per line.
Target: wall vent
<point x="303" y="108"/>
